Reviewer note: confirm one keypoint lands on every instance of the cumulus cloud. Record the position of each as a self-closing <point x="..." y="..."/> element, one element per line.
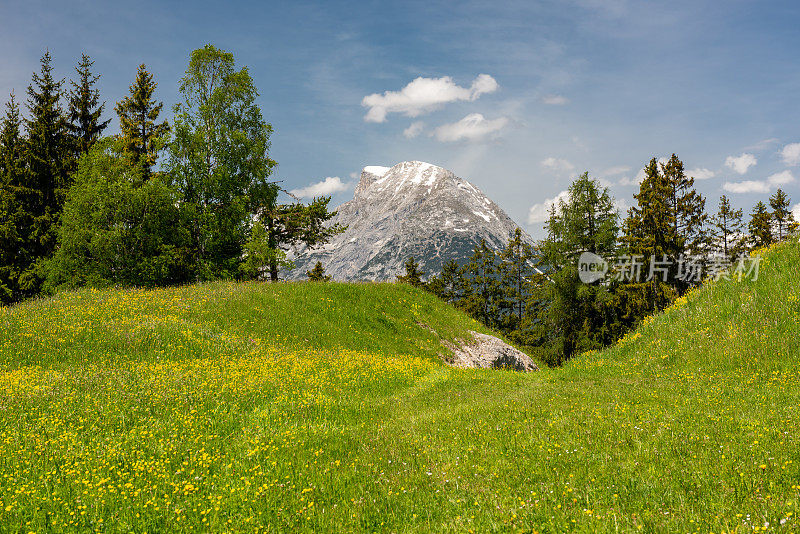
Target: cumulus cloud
<point x="701" y="173"/>
<point x="414" y="129"/>
<point x="555" y="100"/>
<point x="473" y="127"/>
<point x="747" y="186"/>
<point x="781" y="178"/>
<point x="540" y="213"/>
<point x="328" y="186"/>
<point x="796" y="211"/>
<point x="741" y="164"/>
<point x="791" y="154"/>
<point x="557" y="164"/>
<point x="424" y="95"/>
<point x="760" y="186"/>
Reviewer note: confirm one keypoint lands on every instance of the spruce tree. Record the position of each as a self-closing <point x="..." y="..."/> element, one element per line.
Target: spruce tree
<point x="317" y="274"/>
<point x="760" y="227"/>
<point x="782" y="216"/>
<point x="138" y="120"/>
<point x="15" y="221"/>
<point x="413" y="275"/>
<point x="49" y="160"/>
<point x="85" y="109"/>
<point x="727" y="227"/>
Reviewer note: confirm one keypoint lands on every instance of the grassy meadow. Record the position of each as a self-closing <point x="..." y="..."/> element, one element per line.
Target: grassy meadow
<point x="324" y="407"/>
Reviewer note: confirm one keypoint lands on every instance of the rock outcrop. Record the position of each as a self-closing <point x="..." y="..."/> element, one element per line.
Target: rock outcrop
<point x="488" y="352"/>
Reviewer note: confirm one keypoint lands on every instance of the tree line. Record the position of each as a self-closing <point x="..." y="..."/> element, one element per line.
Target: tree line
<point x="159" y="203"/>
<point x="534" y="293"/>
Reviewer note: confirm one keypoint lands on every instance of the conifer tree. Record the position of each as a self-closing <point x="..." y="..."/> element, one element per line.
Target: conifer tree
<point x="15" y="222"/>
<point x="572" y="320"/>
<point x="482" y="293"/>
<point x="138" y="120"/>
<point x="317" y="274"/>
<point x="413" y="275"/>
<point x="516" y="271"/>
<point x="760" y="226"/>
<point x="727" y="227"/>
<point x="448" y="284"/>
<point x="85" y="109"/>
<point x="782" y="216"/>
<point x="49" y="160"/>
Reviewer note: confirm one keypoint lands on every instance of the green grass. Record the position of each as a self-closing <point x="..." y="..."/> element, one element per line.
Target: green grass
<point x="324" y="407"/>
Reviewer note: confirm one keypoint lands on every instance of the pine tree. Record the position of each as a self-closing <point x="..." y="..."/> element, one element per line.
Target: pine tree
<point x="85" y="108"/>
<point x="760" y="227"/>
<point x="688" y="208"/>
<point x="15" y="222"/>
<point x="317" y="274"/>
<point x="781" y="214"/>
<point x="413" y="275"/>
<point x="727" y="228"/>
<point x="138" y="120"/>
<point x="49" y="160"/>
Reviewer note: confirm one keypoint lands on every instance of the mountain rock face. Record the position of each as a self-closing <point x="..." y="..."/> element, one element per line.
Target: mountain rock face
<point x="412" y="209"/>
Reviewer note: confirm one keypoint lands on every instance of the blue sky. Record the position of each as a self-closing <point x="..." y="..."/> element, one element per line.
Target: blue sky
<point x="597" y="85"/>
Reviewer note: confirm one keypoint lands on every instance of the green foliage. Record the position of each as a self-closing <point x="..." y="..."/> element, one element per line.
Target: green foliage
<point x="118" y="227"/>
<point x="138" y="120"/>
<point x="448" y="284"/>
<point x="218" y="160"/>
<point x="260" y="255"/>
<point x="317" y="274"/>
<point x="413" y="275"/>
<point x="85" y="110"/>
<point x="517" y="269"/>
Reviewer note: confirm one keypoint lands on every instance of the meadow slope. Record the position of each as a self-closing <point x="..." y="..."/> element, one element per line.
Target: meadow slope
<point x="324" y="407"/>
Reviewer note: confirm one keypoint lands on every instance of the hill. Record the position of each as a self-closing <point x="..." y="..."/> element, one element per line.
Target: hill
<point x="313" y="407"/>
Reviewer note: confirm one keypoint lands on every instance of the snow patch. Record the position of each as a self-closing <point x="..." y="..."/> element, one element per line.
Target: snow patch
<point x="376" y="170"/>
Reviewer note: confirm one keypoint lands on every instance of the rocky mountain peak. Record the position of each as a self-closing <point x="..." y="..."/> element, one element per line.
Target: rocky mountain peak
<point x="415" y="209"/>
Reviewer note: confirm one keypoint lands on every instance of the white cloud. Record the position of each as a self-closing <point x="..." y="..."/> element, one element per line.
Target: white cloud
<point x="540" y="213"/>
<point x="414" y="129"/>
<point x="781" y="178"/>
<point x="328" y="186"/>
<point x="424" y="95"/>
<point x="555" y="100"/>
<point x="701" y="173"/>
<point x="760" y="186"/>
<point x="791" y="154"/>
<point x="473" y="127"/>
<point x="747" y="186"/>
<point x="741" y="164"/>
<point x="557" y="164"/>
<point x="796" y="211"/>
<point x="614" y="171"/>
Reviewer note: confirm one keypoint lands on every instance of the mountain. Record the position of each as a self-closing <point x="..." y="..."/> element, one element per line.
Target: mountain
<point x="412" y="209"/>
